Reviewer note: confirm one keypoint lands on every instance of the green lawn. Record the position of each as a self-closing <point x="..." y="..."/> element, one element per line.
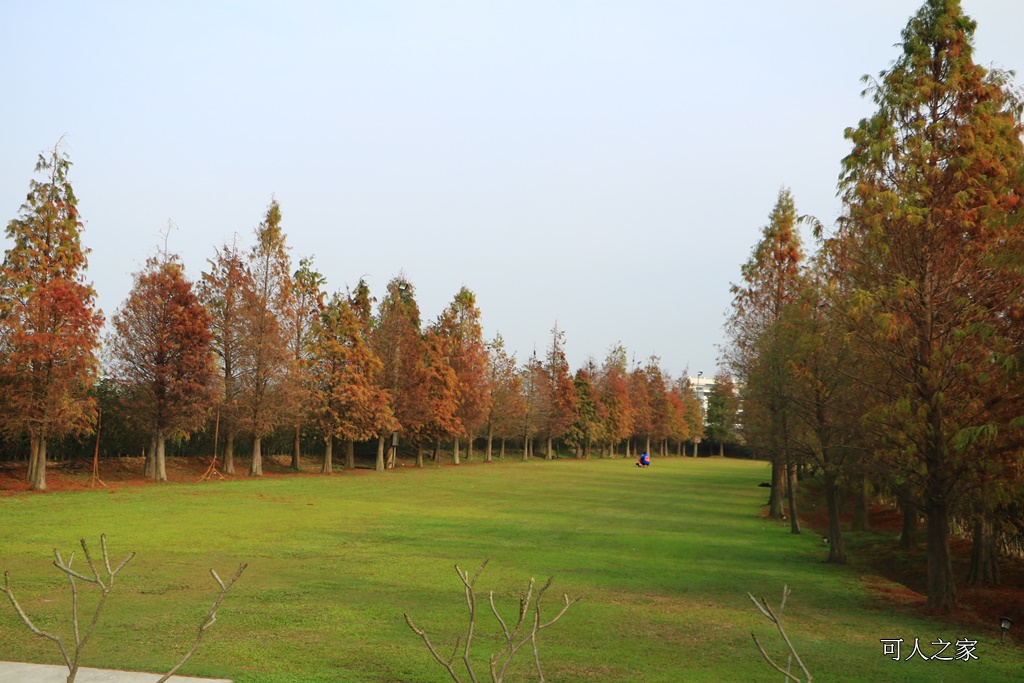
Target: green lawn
<point x="663" y="558"/>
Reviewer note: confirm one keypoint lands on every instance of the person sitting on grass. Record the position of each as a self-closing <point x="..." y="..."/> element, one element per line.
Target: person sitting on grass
<point x="644" y="461"/>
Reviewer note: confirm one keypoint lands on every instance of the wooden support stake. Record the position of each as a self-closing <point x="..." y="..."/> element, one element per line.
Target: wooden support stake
<point x="96" y="454"/>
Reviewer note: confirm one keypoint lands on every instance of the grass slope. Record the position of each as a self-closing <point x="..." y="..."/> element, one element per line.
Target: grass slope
<point x="664" y="558"/>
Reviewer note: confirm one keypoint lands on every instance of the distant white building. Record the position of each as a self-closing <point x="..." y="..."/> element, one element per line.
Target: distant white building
<point x="702" y="386"/>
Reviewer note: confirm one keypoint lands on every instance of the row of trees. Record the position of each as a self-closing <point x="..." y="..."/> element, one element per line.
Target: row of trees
<point x="257" y="345"/>
<point x="894" y="355"/>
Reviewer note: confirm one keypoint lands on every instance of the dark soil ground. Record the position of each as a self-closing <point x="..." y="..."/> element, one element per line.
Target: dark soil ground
<point x="115" y="473"/>
<point x="900" y="576"/>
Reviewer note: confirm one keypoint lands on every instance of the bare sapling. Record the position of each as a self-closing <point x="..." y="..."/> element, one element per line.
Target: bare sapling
<point x="528" y="623"/>
<point x="765" y="609"/>
<point x="72" y="660"/>
<point x="73" y="657"/>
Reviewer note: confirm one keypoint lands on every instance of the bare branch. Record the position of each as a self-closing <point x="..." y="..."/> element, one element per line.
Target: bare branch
<point x="765" y="609"/>
<point x="88" y="558"/>
<point x="471" y="606"/>
<point x="773" y="664"/>
<point x="28" y="622"/>
<point x="209" y="620"/>
<point x="422" y="634"/>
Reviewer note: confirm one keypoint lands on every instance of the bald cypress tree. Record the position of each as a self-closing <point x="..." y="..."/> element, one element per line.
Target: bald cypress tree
<point x="161" y="350"/>
<point x="758" y="353"/>
<point x="930" y="186"/>
<point x="49" y="327"/>
<point x="267" y="396"/>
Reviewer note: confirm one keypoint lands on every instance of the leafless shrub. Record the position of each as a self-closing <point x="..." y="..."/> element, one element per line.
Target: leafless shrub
<point x="524" y="630"/>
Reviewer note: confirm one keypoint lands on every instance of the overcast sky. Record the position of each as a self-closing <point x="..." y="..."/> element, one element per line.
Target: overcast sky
<point x="606" y="166"/>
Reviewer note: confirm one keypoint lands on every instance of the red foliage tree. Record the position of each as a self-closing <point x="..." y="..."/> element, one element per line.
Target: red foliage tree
<point x="613" y="389"/>
<point x="267" y="391"/>
<point x="397" y="341"/>
<point x="344" y="399"/>
<point x="643" y="414"/>
<point x="160" y="350"/>
<point x="506" y="405"/>
<point x="467" y="356"/>
<point x="439" y="420"/>
<point x="222" y="291"/>
<point x="560" y="391"/>
<point x="48" y="326"/>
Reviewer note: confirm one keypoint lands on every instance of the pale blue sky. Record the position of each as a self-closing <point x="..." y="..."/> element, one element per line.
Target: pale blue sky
<point x="605" y="165"/>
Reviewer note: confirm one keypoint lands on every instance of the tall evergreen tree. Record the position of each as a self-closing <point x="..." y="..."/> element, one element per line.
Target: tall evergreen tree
<point x="756" y="354"/>
<point x="723" y="407"/>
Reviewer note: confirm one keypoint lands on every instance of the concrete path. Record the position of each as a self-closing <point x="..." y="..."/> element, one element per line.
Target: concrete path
<point x="15" y="672"/>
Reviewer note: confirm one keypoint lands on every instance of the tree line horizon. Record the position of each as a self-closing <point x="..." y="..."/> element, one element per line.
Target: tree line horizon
<point x="257" y="349"/>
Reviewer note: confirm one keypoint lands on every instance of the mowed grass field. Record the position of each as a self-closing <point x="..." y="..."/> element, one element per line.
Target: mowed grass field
<point x="663" y="558"/>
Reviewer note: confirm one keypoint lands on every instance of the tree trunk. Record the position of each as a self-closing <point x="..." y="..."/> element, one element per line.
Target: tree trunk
<point x="256" y="468"/>
<point x="379" y="466"/>
<point x="161" y="455"/>
<point x="548" y="455"/>
<point x="648" y="442"/>
<point x="794" y="521"/>
<point x="328" y="467"/>
<point x="469" y="447"/>
<point x="437" y="450"/>
<point x="419" y="454"/>
<point x="984" y="564"/>
<point x="778" y="487"/>
<point x="228" y="459"/>
<point x="490" y="440"/>
<point x="695" y="448"/>
<point x="836" y="548"/>
<point x="941" y="589"/>
<point x="350" y="454"/>
<point x="501" y="453"/>
<point x="297" y="449"/>
<point x="149" y="469"/>
<point x="908" y="537"/>
<point x="455" y="453"/>
<point x="526" y="448"/>
<point x="860" y="503"/>
<point x="721" y="449"/>
<point x="33" y="457"/>
<point x="38" y="479"/>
